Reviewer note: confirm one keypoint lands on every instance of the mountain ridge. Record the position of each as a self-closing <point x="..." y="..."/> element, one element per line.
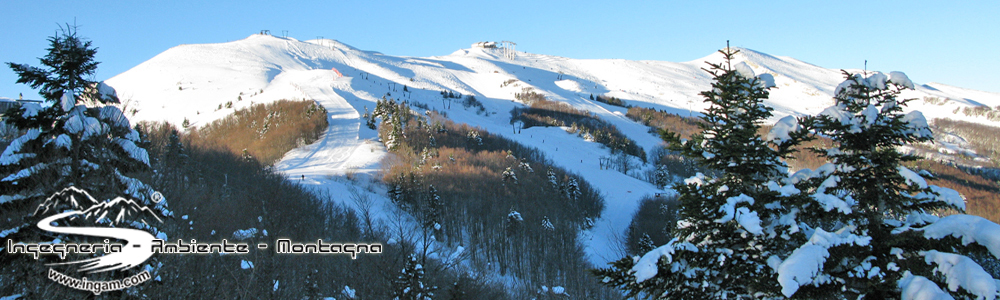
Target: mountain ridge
<point x="202" y="83"/>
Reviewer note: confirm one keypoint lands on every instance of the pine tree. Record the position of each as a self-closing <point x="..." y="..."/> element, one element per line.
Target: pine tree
<point x="508" y="175"/>
<point x="553" y="181"/>
<point x="661" y="177"/>
<point x="410" y="283"/>
<point x="868" y="228"/>
<point x="434" y="207"/>
<point x="727" y="225"/>
<point x="572" y="189"/>
<point x="78" y="139"/>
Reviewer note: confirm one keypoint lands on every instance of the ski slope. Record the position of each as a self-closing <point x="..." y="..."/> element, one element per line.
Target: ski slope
<point x="192" y="82"/>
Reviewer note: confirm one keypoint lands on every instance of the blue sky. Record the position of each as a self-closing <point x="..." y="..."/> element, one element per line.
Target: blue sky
<point x="929" y="40"/>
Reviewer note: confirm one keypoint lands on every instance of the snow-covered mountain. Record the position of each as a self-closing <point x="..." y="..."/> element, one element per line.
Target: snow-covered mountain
<point x="197" y="83"/>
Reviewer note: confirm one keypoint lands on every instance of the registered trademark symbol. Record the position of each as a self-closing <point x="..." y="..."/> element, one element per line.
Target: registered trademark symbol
<point x="157" y="197"/>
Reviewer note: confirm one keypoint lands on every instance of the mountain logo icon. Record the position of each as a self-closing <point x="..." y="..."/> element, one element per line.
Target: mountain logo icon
<point x="110" y="218"/>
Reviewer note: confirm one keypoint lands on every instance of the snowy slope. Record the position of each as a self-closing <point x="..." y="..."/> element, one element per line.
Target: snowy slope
<point x="192" y="81"/>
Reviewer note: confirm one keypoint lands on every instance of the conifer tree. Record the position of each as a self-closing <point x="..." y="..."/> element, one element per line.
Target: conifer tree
<point x="727" y="225"/>
<point x="434" y="207"/>
<point x="869" y="227"/>
<point x="76" y="138"/>
<point x="410" y="283"/>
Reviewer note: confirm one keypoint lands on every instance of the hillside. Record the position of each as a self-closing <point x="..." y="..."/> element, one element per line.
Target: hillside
<point x="193" y="81"/>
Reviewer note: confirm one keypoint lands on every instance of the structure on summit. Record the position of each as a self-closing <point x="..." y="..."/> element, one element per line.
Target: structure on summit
<point x="506" y="48"/>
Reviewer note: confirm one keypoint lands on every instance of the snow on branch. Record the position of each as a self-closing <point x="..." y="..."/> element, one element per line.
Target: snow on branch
<point x="133" y="151"/>
<point x="746" y="218"/>
<point x="948" y="196"/>
<point x="830" y="202"/>
<point x="916" y="124"/>
<point x="920" y="288"/>
<point x="646" y="268"/>
<point x="961" y="271"/>
<point x="900" y="78"/>
<point x="24" y="173"/>
<point x="912" y="178"/>
<point x="10" y="157"/>
<point x="806" y="262"/>
<point x="781" y="130"/>
<point x="969" y="228"/>
<point x="114" y="116"/>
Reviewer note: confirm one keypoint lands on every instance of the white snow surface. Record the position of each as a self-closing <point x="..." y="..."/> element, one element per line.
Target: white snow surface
<point x="191" y="81"/>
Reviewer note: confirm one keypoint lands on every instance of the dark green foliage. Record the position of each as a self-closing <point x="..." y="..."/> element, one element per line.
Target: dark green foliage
<point x="66" y="142"/>
<point x="608" y="100"/>
<point x="867" y="172"/>
<point x="470" y="101"/>
<point x="68" y="65"/>
<point x="410" y="283"/>
<point x="713" y="255"/>
<point x="651" y="224"/>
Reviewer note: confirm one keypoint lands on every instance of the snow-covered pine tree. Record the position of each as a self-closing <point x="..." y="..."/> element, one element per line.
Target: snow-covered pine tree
<point x="661" y="177"/>
<point x="869" y="228"/>
<point x="395" y="115"/>
<point x="572" y="189"/>
<point x="553" y="181"/>
<point x="728" y="226"/>
<point x="434" y="209"/>
<point x="410" y="283"/>
<point x="76" y="138"/>
<point x="508" y="175"/>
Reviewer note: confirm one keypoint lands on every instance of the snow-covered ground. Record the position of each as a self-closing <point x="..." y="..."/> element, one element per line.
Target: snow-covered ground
<point x="192" y="81"/>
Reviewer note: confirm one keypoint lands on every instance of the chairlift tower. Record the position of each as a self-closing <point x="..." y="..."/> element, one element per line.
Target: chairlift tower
<point x="507" y="48"/>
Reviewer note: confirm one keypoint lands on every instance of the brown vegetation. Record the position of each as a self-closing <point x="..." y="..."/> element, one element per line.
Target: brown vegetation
<point x="981" y="194"/>
<point x="264" y="131"/>
<point x="688" y="126"/>
<point x="985" y="140"/>
<point x="222" y="192"/>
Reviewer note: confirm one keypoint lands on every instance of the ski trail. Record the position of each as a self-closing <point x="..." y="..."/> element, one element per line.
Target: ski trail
<point x="334" y="152"/>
